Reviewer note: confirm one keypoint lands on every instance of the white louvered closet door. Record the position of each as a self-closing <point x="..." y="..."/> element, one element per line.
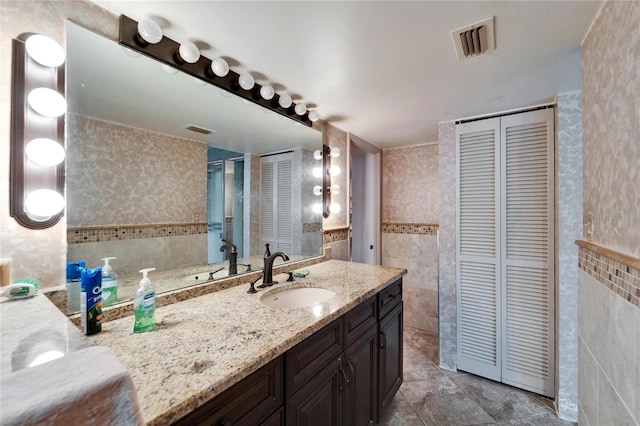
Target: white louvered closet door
<point x="527" y="229"/>
<point x="477" y="159"/>
<point x="505" y="246"/>
<point x="276" y="202"/>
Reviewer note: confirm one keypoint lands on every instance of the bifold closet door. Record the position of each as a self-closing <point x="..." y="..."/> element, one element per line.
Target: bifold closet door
<point x="527" y="229"/>
<point x="477" y="270"/>
<point x="276" y="201"/>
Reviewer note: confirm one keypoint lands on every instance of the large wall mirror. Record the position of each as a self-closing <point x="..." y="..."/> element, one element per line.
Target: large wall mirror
<point x="165" y="172"/>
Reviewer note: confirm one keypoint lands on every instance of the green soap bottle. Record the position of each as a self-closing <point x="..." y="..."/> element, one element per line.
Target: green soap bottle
<point x="144" y="304"/>
<point x="109" y="283"/>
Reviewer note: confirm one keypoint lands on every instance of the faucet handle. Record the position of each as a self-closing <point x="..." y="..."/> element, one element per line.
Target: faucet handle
<point x="290" y="276"/>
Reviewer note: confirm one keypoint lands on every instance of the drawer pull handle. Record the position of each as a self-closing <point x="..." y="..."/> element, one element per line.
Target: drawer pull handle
<point x="226" y="423"/>
<point x="353" y="372"/>
<point x="383" y="339"/>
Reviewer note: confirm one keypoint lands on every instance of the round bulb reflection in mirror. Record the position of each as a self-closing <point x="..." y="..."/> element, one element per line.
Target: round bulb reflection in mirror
<point x="335" y="208"/>
<point x="300" y="108"/>
<point x="314" y="115"/>
<point x="267" y="92"/>
<point x="41" y="204"/>
<point x="246" y="81"/>
<point x="45" y="50"/>
<point x="335" y="189"/>
<point x="334" y="171"/>
<point x="317" y="172"/>
<point x="317" y="190"/>
<point x="317" y="154"/>
<point x="47" y="102"/>
<point x="285" y="100"/>
<point x="220" y="67"/>
<point x="317" y="208"/>
<point x="149" y="31"/>
<point x="45" y="152"/>
<point x="335" y="152"/>
<point x="189" y="52"/>
<point x="45" y="357"/>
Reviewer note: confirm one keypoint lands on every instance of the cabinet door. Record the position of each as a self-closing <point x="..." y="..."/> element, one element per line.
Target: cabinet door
<point x="362" y="368"/>
<point x="245" y="403"/>
<point x="321" y="401"/>
<point x="389" y="357"/>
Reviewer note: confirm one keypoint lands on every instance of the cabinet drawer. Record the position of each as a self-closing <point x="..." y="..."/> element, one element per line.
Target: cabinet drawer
<point x="359" y="320"/>
<point x="245" y="403"/>
<point x="311" y="355"/>
<point x="389" y="298"/>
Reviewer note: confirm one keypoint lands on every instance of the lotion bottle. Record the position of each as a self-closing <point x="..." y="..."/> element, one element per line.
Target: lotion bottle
<point x="109" y="283"/>
<point x="144" y="304"/>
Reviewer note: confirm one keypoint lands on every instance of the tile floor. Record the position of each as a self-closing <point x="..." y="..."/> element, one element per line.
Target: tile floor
<point x="433" y="396"/>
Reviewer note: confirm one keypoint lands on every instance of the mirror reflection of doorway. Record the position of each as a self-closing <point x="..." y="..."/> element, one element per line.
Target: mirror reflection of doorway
<point x="225" y="201"/>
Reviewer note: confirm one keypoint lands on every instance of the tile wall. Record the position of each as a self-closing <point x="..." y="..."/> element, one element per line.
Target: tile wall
<point x="410" y="210"/>
<point x="609" y="316"/>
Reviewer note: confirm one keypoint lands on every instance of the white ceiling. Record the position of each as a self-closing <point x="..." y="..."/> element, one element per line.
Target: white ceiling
<point x="387" y="70"/>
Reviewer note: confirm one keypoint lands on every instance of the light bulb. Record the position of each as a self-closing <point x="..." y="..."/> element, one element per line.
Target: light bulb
<point x="285" y="100"/>
<point x="335" y="152"/>
<point x="317" y="208"/>
<point x="45" y="152"/>
<point x="300" y="108"/>
<point x="314" y="115"/>
<point x="246" y="81"/>
<point x="317" y="190"/>
<point x="334" y="170"/>
<point x="335" y="189"/>
<point x="317" y="154"/>
<point x="220" y="67"/>
<point x="189" y="52"/>
<point x="45" y="50"/>
<point x="47" y="102"/>
<point x="267" y="92"/>
<point x="149" y="31"/>
<point x="317" y="172"/>
<point x="43" y="203"/>
<point x="335" y="208"/>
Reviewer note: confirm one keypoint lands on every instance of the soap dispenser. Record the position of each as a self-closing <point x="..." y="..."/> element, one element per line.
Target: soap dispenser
<point x="109" y="283"/>
<point x="144" y="304"/>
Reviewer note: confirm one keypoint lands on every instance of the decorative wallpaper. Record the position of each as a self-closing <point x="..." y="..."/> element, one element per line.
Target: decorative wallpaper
<point x="611" y="120"/>
<point x="121" y="175"/>
<point x="411" y="184"/>
<point x="38" y="254"/>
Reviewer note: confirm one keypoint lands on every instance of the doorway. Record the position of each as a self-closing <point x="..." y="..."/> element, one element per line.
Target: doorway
<point x="365" y="203"/>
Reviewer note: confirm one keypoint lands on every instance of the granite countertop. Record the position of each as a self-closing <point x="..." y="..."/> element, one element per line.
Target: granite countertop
<point x="203" y="345"/>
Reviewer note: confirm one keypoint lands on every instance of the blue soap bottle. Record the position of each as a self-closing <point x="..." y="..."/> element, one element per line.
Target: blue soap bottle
<point x="91" y="300"/>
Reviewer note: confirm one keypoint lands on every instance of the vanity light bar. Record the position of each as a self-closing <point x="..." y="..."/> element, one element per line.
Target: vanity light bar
<point x="36" y="188"/>
<point x="165" y="52"/>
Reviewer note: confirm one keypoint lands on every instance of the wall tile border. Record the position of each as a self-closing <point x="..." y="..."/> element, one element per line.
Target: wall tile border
<point x="94" y="234"/>
<point x="618" y="272"/>
<point x="311" y="227"/>
<point x="410" y="228"/>
<point x="335" y="234"/>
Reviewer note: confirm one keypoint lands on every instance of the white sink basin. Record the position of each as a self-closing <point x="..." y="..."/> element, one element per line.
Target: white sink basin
<point x="296" y="297"/>
<point x="203" y="277"/>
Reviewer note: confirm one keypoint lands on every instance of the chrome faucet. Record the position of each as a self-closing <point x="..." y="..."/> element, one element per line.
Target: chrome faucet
<point x="232" y="250"/>
<point x="267" y="279"/>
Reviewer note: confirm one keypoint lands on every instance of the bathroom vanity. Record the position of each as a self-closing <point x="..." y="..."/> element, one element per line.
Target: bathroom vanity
<point x="228" y="358"/>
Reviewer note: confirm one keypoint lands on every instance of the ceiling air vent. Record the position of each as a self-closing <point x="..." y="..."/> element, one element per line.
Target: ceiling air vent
<point x="474" y="39"/>
<point x="199" y="129"/>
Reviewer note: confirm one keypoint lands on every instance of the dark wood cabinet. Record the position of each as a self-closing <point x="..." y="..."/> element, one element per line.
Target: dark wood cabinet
<point x="248" y="402"/>
<point x="345" y="374"/>
<point x="361" y="359"/>
<point x="390" y="357"/>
